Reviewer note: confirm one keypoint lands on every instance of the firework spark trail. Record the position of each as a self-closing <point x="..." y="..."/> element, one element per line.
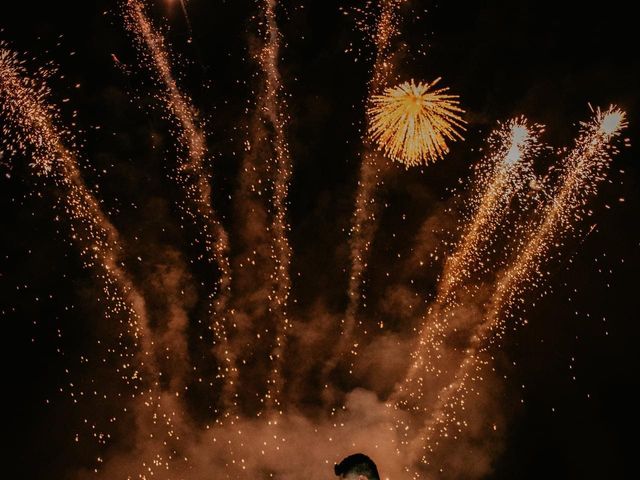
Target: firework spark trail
<point x="194" y="181"/>
<point x="505" y="173"/>
<point x="32" y="128"/>
<point x="386" y="31"/>
<point x="187" y="19"/>
<point x="363" y="228"/>
<point x="584" y="169"/>
<point x="364" y="221"/>
<point x="272" y="107"/>
<point x="511" y="173"/>
<point x="266" y="171"/>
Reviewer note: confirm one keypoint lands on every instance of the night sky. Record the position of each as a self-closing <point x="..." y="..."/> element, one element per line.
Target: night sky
<point x="566" y="378"/>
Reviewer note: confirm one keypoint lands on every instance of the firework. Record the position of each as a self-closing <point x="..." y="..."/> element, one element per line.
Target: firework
<point x="234" y="439"/>
<point x="272" y="106"/>
<point x="364" y="221"/>
<point x="413" y="122"/>
<point x="584" y="169"/>
<point x="32" y="128"/>
<point x="502" y="176"/>
<point x="194" y="180"/>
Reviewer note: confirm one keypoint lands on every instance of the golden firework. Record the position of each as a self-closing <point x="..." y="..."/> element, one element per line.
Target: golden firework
<point x="412" y="122"/>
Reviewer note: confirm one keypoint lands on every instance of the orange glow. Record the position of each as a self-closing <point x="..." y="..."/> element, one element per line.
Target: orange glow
<point x="413" y="122"/>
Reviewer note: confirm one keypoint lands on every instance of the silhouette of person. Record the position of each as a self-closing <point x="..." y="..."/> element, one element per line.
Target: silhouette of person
<point x="357" y="467"/>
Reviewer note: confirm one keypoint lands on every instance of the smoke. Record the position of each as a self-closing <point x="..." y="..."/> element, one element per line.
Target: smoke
<point x="169" y="287"/>
<point x="286" y="447"/>
<point x="306" y="445"/>
<point x="471" y="454"/>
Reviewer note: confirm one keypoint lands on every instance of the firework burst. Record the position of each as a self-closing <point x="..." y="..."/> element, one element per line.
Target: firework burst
<point x="412" y="122"/>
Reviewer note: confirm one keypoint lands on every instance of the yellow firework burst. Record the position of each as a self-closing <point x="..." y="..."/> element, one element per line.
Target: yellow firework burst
<point x="412" y="122"/>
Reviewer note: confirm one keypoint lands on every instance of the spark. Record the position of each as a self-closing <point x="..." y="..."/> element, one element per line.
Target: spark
<point x="503" y="174"/>
<point x="275" y="113"/>
<point x="32" y="129"/>
<point x="412" y="122"/>
<point x="364" y="221"/>
<point x="420" y="417"/>
<point x="263" y="268"/>
<point x="583" y="170"/>
<point x="195" y="182"/>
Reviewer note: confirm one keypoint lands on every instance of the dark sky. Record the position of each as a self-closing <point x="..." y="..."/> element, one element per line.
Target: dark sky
<point x="544" y="59"/>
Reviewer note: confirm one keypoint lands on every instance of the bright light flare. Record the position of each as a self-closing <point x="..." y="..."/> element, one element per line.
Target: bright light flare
<point x="611" y="121"/>
<point x="412" y="122"/>
<point x="519" y="138"/>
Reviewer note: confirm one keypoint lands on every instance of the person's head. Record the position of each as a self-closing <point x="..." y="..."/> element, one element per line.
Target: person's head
<point x="357" y="467"/>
